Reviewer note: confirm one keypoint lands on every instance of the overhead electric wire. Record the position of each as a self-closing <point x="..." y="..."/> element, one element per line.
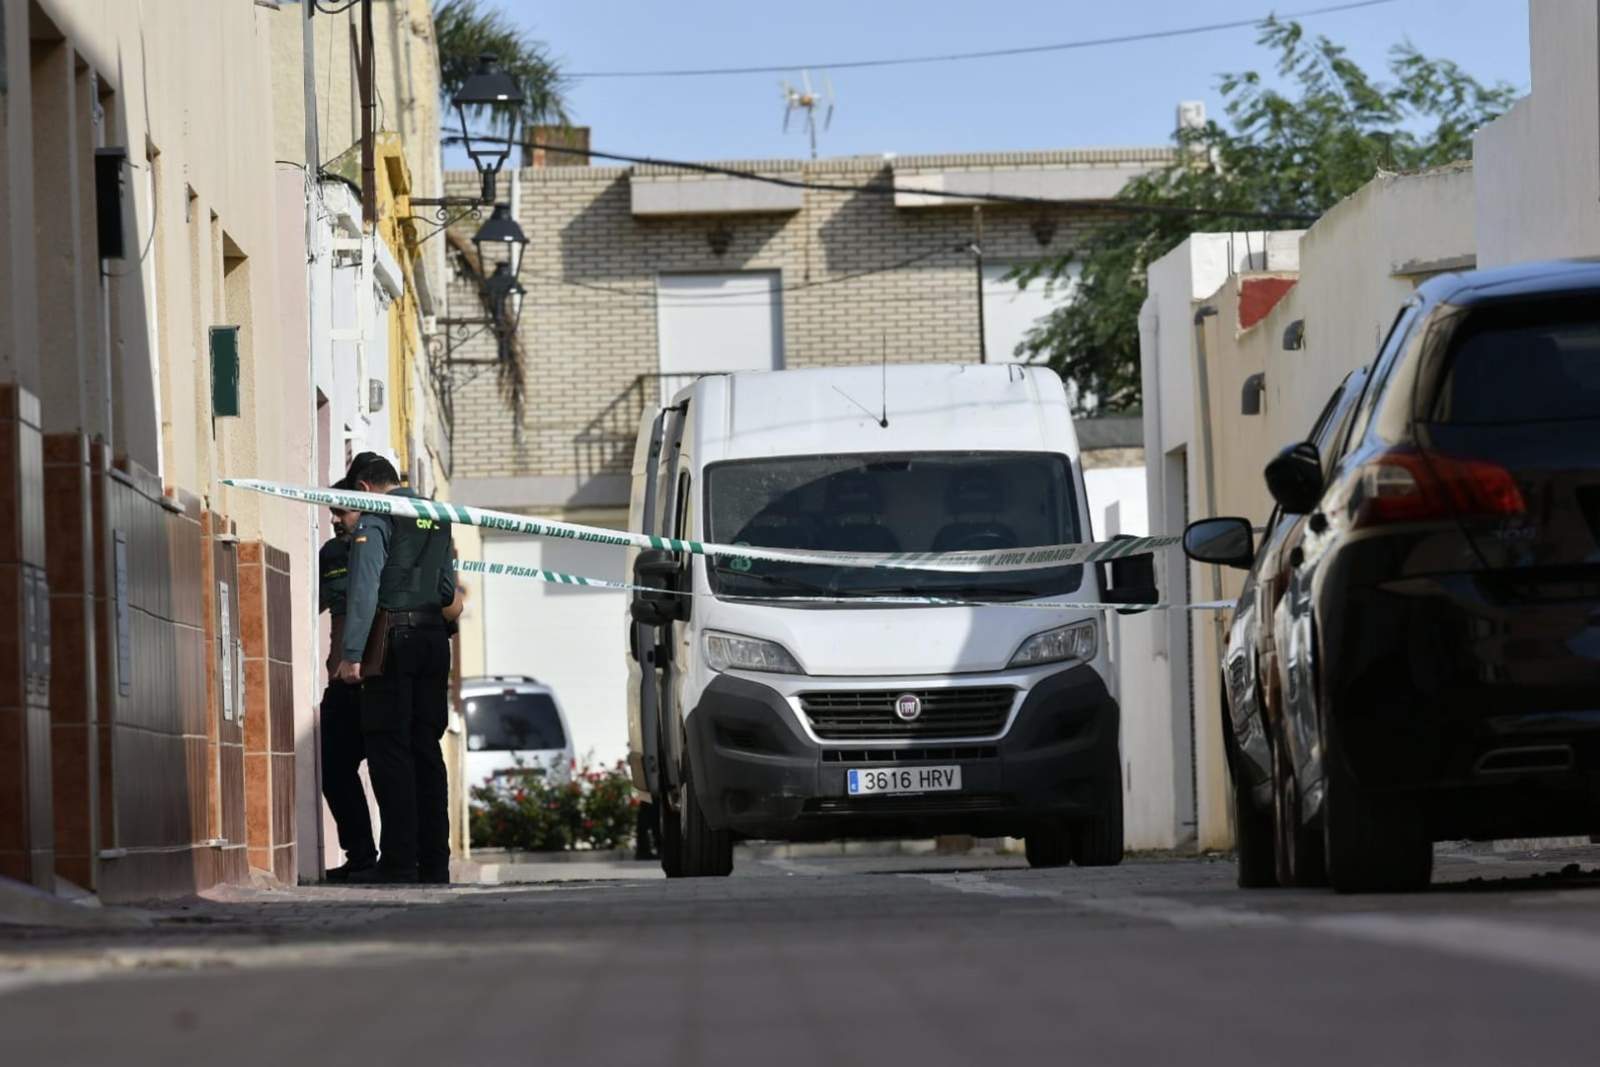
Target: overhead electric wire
<point x="1135" y="207"/>
<point x="997" y="53"/>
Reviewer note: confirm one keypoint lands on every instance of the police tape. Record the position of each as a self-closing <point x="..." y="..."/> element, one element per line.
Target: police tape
<point x="513" y="570"/>
<point x="1011" y="559"/>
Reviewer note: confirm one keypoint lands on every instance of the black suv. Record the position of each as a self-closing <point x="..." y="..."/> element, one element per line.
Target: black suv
<point x="1416" y="656"/>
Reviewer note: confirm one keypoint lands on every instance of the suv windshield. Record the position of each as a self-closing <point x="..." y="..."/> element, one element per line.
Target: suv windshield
<point x="891" y="502"/>
<point x="502" y="722"/>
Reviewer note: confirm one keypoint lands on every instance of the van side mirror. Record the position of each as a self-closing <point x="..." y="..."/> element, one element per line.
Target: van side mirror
<point x="660" y="600"/>
<point x="1132" y="580"/>
<point x="1226" y="542"/>
<point x="1294" y="478"/>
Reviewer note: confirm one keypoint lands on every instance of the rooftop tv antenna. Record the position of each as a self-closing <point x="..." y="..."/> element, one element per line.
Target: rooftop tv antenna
<point x="807" y="100"/>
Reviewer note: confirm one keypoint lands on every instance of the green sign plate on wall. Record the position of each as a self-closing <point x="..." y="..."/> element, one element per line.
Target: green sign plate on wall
<point x="224" y="371"/>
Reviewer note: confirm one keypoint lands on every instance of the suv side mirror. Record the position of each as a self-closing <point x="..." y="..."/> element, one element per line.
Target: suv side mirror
<point x="1227" y="542"/>
<point x="659" y="601"/>
<point x="1132" y="580"/>
<point x="1294" y="478"/>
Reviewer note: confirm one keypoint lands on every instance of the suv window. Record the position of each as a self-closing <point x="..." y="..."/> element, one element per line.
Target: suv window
<point x="509" y="721"/>
<point x="1522" y="362"/>
<point x="1382" y="367"/>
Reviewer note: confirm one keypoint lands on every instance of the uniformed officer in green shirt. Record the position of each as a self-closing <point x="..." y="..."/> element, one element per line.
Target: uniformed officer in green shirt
<point x="342" y="750"/>
<point x="403" y="568"/>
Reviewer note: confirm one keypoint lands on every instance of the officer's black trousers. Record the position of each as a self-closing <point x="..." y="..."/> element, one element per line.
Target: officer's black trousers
<point x="404" y="713"/>
<point x="342" y="753"/>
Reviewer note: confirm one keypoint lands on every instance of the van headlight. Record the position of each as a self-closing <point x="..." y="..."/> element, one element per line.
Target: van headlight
<point x="1077" y="642"/>
<point x="730" y="652"/>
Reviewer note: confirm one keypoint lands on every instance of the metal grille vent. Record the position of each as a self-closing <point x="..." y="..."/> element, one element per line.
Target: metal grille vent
<point x="858" y="714"/>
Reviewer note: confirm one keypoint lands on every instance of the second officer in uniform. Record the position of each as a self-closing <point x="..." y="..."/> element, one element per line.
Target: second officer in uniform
<point x="402" y="579"/>
<point x="341" y="712"/>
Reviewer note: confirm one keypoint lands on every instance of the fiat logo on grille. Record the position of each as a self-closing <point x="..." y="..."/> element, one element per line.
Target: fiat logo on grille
<point x="908" y="707"/>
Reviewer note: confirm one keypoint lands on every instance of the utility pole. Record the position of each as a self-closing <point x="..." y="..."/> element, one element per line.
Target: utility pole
<point x="977" y="258"/>
<point x="369" y="175"/>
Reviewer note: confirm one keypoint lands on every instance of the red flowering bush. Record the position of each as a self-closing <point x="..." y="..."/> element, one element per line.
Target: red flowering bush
<point x="530" y="814"/>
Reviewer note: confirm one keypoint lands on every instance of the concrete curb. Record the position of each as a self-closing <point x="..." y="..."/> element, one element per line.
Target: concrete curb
<point x="26" y="905"/>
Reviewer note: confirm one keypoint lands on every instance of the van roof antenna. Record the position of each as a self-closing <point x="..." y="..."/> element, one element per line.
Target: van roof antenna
<point x="883" y="420"/>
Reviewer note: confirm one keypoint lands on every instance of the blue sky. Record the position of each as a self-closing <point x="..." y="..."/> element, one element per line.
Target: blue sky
<point x="1118" y="95"/>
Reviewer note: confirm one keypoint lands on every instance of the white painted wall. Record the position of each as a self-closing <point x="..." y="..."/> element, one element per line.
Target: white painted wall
<point x="1356" y="266"/>
<point x="1159" y="737"/>
<point x="1538" y="166"/>
<point x="1122" y="488"/>
<point x="566" y="637"/>
<point x="1010" y="311"/>
<point x="719" y="322"/>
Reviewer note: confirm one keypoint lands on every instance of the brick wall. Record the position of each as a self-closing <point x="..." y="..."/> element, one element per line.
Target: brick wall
<point x="588" y="325"/>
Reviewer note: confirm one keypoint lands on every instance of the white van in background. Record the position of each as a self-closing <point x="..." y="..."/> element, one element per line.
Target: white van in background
<point x="756" y="716"/>
<point x="515" y="725"/>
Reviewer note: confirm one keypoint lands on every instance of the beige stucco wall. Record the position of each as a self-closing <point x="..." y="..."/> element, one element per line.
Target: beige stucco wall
<point x="405" y="68"/>
<point x="1356" y="267"/>
<point x="187" y="87"/>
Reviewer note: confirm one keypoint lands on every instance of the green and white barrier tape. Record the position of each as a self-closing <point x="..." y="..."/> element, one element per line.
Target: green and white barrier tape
<point x="1012" y="559"/>
<point x="512" y="570"/>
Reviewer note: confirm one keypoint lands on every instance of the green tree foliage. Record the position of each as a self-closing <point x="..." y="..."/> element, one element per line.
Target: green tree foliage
<point x="467" y="29"/>
<point x="1293" y="154"/>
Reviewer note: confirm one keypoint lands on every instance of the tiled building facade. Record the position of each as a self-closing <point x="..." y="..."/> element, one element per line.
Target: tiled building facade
<point x="160" y="654"/>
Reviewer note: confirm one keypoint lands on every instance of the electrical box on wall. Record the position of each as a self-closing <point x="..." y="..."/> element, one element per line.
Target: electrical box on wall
<point x="108" y="164"/>
<point x="224" y="371"/>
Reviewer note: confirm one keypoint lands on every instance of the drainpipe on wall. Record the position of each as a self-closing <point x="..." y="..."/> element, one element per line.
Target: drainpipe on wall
<point x="1203" y="380"/>
<point x="313" y="639"/>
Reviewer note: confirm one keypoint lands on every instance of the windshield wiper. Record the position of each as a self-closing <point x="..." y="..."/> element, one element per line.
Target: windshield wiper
<point x="775" y="579"/>
<point x="946" y="592"/>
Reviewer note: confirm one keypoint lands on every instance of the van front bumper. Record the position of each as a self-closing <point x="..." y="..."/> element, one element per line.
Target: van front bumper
<point x="760" y="772"/>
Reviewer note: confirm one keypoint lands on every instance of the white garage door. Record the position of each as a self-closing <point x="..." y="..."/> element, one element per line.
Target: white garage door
<point x="569" y="638"/>
<point x="718" y="322"/>
<point x="1010" y="311"/>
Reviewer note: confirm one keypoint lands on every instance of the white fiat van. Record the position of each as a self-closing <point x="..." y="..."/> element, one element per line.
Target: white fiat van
<point x="787" y="701"/>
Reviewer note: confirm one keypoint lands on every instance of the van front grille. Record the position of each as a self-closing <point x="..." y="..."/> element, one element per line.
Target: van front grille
<point x="850" y="715"/>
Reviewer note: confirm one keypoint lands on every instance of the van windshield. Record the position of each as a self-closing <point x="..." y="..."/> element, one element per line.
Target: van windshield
<point x="891" y="502"/>
<point x="509" y="721"/>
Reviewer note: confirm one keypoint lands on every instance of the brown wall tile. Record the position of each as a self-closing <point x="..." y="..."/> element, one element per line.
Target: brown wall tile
<point x="72" y="783"/>
<point x="11" y="648"/>
<point x="230" y="763"/>
<point x="253" y="608"/>
<point x="258" y="799"/>
<point x="14" y="818"/>
<point x="283" y="799"/>
<point x="257" y="706"/>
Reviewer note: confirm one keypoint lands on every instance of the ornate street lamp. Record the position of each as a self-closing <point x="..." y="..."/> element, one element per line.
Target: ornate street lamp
<point x="489" y="88"/>
<point x="503" y="296"/>
<point x="503" y="240"/>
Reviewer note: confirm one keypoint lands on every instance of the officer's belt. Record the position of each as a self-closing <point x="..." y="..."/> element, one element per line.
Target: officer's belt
<point x="421" y="620"/>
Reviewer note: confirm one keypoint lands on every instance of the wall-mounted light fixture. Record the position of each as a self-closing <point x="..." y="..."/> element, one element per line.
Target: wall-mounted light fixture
<point x="1294" y="336"/>
<point x="1255" y="387"/>
<point x="108" y="164"/>
<point x="719" y="239"/>
<point x="1044" y="230"/>
<point x="489" y="88"/>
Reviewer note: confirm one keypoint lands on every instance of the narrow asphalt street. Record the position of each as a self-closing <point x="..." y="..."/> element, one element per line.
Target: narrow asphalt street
<point x="904" y="959"/>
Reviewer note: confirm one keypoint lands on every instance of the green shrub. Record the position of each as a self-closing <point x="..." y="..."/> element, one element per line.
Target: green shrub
<point x="529" y="813"/>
